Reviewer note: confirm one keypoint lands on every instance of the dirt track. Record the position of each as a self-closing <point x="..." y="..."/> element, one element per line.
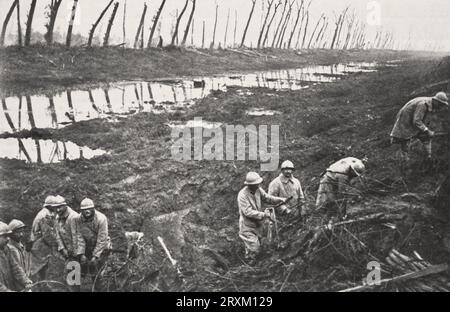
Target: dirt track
<point x="138" y="181"/>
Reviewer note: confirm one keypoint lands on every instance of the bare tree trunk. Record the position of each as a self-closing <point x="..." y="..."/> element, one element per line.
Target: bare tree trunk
<point x="284" y="26"/>
<point x="30" y="112"/>
<point x="190" y="21"/>
<point x="314" y="31"/>
<point x="338" y="29"/>
<point x="321" y="33"/>
<point x="248" y="23"/>
<point x="110" y="24"/>
<point x="226" y="30"/>
<point x="141" y="25"/>
<point x="72" y="18"/>
<point x="215" y="27"/>
<point x="261" y="33"/>
<point x="192" y="33"/>
<point x="270" y="24"/>
<point x="203" y="36"/>
<point x="299" y="11"/>
<point x="235" y="28"/>
<point x="19" y="26"/>
<point x="124" y="34"/>
<point x="5" y="23"/>
<point x="155" y="22"/>
<point x="92" y="31"/>
<point x="30" y="23"/>
<point x="175" y="33"/>
<point x="306" y="29"/>
<point x="53" y="12"/>
<point x="279" y="24"/>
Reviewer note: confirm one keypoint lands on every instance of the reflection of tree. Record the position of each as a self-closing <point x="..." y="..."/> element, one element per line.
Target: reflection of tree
<point x="91" y="98"/>
<point x="141" y="103"/>
<point x="30" y="112"/>
<point x="20" y="113"/>
<point x="7" y="116"/>
<point x="174" y="92"/>
<point x="149" y="87"/>
<point x="23" y="150"/>
<point x="53" y="111"/>
<point x="38" y="152"/>
<point x="108" y="101"/>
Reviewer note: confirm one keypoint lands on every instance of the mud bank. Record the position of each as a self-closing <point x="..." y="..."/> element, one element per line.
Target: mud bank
<point x="193" y="203"/>
<point x="44" y="69"/>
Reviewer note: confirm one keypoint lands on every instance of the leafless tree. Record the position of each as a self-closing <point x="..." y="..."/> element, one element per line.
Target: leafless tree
<point x="284" y="25"/>
<point x="203" y="35"/>
<point x="339" y="23"/>
<point x="72" y="19"/>
<point x="94" y="26"/>
<point x="155" y="22"/>
<point x="299" y="12"/>
<point x="140" y="27"/>
<point x="19" y="25"/>
<point x="235" y="28"/>
<point x="6" y="21"/>
<point x="53" y="9"/>
<point x="279" y="24"/>
<point x="110" y="24"/>
<point x="248" y="23"/>
<point x="30" y="23"/>
<point x="226" y="30"/>
<point x="190" y="21"/>
<point x="306" y="29"/>
<point x="322" y="18"/>
<point x="215" y="28"/>
<point x="175" y="33"/>
<point x="124" y="33"/>
<point x="266" y="36"/>
<point x="261" y="33"/>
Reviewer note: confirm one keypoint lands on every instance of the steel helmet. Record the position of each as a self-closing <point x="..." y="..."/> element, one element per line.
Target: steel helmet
<point x="358" y="167"/>
<point x="253" y="178"/>
<point x="49" y="201"/>
<point x="441" y="97"/>
<point x="4" y="229"/>
<point x="86" y="204"/>
<point x="287" y="165"/>
<point x="16" y="225"/>
<point x="59" y="201"/>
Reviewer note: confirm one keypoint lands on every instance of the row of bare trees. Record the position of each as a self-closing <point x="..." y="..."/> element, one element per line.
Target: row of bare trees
<point x="285" y="24"/>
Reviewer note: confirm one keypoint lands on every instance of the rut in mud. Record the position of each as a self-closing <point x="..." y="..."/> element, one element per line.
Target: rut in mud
<point x="192" y="205"/>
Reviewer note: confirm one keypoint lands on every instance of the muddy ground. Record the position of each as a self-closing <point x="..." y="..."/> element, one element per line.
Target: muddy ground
<point x="192" y="205"/>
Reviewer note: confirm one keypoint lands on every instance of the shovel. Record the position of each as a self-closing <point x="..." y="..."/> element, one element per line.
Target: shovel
<point x="172" y="260"/>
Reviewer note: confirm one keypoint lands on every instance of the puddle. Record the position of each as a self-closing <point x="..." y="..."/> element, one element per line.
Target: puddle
<point x="196" y="124"/>
<point x="257" y="112"/>
<point x="44" y="151"/>
<point x="123" y="99"/>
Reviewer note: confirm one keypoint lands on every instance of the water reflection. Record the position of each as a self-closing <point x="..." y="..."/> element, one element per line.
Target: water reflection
<point x="44" y="151"/>
<point x="127" y="98"/>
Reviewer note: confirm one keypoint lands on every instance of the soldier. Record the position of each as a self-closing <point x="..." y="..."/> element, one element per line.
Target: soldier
<point x="286" y="185"/>
<point x="12" y="277"/>
<point x="18" y="251"/>
<point x="251" y="215"/>
<point x="330" y="196"/>
<point x="43" y="238"/>
<point x="410" y="122"/>
<point x="66" y="231"/>
<point x="93" y="242"/>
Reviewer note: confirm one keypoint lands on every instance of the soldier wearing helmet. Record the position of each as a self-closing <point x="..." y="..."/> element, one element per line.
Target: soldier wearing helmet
<point x="286" y="185"/>
<point x="411" y="121"/>
<point x="93" y="241"/>
<point x="330" y="196"/>
<point x="16" y="237"/>
<point x="43" y="243"/>
<point x="66" y="233"/>
<point x="12" y="277"/>
<point x="252" y="215"/>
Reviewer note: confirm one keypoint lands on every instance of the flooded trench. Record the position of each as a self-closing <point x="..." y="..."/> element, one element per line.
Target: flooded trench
<point x="123" y="99"/>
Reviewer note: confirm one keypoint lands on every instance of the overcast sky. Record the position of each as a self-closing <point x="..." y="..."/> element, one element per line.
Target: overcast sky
<point x="422" y="22"/>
